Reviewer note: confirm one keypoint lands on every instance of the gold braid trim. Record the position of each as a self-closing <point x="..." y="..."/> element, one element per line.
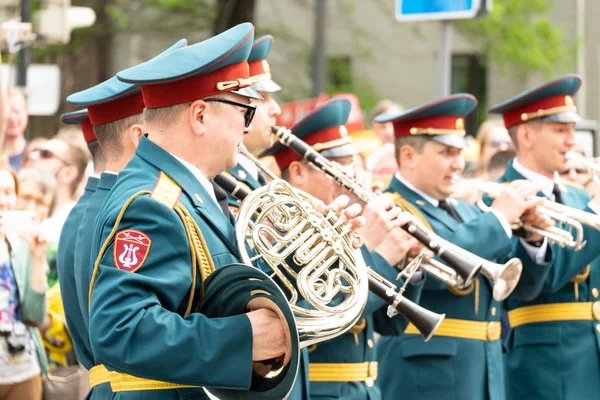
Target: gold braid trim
<point x="107" y="243"/>
<point x="200" y="254"/>
<point x="198" y="249"/>
<point x="577" y="279"/>
<point x="411" y="209"/>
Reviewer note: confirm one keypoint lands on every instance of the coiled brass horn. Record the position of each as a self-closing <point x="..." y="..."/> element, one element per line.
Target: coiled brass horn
<point x="464" y="265"/>
<point x="278" y="224"/>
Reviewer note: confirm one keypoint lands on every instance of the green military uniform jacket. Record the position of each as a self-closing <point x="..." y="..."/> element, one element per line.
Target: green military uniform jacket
<point x="245" y="177"/>
<point x="84" y="262"/>
<point x="301" y="387"/>
<point x="451" y="367"/>
<point x="66" y="266"/>
<point x="559" y="360"/>
<point x="355" y="346"/>
<point x="137" y="324"/>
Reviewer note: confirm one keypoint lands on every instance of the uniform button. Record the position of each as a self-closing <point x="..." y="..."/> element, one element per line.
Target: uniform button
<point x="596" y="310"/>
<point x="369" y="382"/>
<point x="598" y="328"/>
<point x="493" y="311"/>
<point x="370" y="343"/>
<point x="595" y="293"/>
<point x="198" y="198"/>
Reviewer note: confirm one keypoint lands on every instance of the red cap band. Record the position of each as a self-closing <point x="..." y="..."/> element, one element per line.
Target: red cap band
<point x="515" y="116"/>
<point x="115" y="110"/>
<point x="88" y="130"/>
<point x="193" y="88"/>
<point x="285" y="156"/>
<point x="440" y="122"/>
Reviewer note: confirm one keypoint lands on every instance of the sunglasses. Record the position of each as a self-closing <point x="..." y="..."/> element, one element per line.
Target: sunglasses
<point x="46" y="154"/>
<point x="250" y="110"/>
<point x="499" y="143"/>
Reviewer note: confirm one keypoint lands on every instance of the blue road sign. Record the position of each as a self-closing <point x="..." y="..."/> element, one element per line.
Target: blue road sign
<point x="436" y="10"/>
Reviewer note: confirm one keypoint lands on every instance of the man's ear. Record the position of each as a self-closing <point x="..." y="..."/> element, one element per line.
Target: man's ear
<point x="197" y="117"/>
<point x="297" y="173"/>
<point x="526" y="136"/>
<point x="408" y="156"/>
<point x="135" y="133"/>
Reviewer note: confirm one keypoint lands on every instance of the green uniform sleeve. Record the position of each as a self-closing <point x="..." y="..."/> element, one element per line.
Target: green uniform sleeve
<point x="136" y="326"/>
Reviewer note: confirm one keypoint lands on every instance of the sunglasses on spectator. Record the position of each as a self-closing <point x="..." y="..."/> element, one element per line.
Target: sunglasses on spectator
<point x="46" y="154"/>
<point x="499" y="143"/>
<point x="250" y="110"/>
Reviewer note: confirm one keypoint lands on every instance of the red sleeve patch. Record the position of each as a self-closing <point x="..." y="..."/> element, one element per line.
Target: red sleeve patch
<point x="131" y="249"/>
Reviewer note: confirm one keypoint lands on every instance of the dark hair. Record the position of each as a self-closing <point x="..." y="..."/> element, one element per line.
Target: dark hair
<point x="110" y="135"/>
<point x="500" y="159"/>
<point x="416" y="142"/>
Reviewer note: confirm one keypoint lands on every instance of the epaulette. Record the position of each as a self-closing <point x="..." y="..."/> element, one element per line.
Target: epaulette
<point x="407" y="206"/>
<point x="166" y="191"/>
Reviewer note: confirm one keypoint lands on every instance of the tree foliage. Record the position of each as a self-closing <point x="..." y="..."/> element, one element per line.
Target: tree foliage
<point x="517" y="36"/>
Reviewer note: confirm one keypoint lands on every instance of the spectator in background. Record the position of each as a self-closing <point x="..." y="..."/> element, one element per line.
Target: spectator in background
<point x="492" y="137"/>
<point x="580" y="174"/>
<point x="66" y="160"/>
<point x="37" y="190"/>
<point x="23" y="306"/>
<point x="16" y="123"/>
<point x="32" y="145"/>
<point x="383" y="161"/>
<point x="497" y="164"/>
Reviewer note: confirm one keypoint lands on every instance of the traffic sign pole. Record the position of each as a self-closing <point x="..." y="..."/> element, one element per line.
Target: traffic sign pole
<point x="445" y="59"/>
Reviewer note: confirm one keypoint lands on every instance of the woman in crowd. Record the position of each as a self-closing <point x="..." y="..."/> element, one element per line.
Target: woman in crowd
<point x="22" y="299"/>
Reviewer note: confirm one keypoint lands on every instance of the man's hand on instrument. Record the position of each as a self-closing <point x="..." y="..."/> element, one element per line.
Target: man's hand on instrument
<point x="348" y="217"/>
<point x="534" y="218"/>
<point x="518" y="197"/>
<point x="397" y="246"/>
<point x="382" y="217"/>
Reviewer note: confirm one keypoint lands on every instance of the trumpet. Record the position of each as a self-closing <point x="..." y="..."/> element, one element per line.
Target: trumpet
<point x="464" y="265"/>
<point x="564" y="215"/>
<point x="274" y="209"/>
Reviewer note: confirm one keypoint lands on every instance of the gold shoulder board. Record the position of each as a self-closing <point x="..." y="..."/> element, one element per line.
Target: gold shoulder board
<point x="166" y="191"/>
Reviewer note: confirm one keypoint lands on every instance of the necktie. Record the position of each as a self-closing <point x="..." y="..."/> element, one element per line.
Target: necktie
<point x="221" y="196"/>
<point x="444" y="205"/>
<point x="557" y="194"/>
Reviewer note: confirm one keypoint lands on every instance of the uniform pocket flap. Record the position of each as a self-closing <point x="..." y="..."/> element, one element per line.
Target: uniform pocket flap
<point x="437" y="346"/>
<point x="536" y="334"/>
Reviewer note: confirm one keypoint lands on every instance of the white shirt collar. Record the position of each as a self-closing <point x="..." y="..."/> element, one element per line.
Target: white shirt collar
<point x="545" y="183"/>
<point x="431" y="200"/>
<point x="110" y="172"/>
<point x="249" y="166"/>
<point x="201" y="178"/>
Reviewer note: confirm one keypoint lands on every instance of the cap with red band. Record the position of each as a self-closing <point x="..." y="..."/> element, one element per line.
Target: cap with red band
<point x="205" y="69"/>
<point x="442" y="120"/>
<point x="550" y="101"/>
<point x="114" y="100"/>
<point x="323" y="129"/>
<point x="260" y="71"/>
<point x="80" y="117"/>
